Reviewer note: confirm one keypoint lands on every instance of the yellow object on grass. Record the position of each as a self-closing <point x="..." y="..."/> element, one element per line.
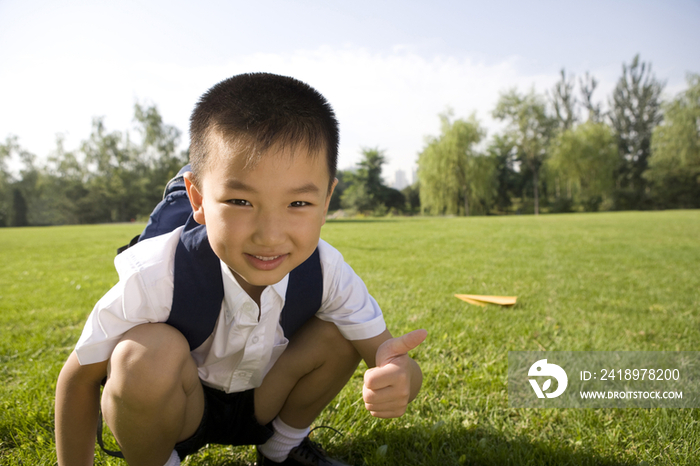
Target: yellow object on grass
<point x="483" y="300"/>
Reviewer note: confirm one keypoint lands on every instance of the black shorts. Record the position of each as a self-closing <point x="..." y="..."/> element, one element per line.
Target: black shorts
<point x="229" y="419"/>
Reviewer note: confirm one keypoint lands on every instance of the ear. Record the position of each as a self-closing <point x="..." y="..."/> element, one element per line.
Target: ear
<point x="196" y="199"/>
<point x="328" y="199"/>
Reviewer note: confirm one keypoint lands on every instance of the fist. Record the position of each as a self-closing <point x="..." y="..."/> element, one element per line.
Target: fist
<point x="387" y="387"/>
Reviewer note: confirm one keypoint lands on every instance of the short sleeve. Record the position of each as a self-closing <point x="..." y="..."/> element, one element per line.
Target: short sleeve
<point x="142" y="295"/>
<point x="346" y="300"/>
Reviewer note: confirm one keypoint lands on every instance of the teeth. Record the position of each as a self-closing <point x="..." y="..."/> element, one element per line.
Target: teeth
<point x="262" y="258"/>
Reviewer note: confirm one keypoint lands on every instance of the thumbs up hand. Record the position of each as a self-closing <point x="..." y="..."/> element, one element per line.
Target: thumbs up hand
<point x="395" y="380"/>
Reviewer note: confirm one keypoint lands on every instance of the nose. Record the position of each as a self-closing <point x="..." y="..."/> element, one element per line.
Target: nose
<point x="269" y="230"/>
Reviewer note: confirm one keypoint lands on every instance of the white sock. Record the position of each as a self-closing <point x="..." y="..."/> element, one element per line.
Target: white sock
<point x="174" y="460"/>
<point x="282" y="441"/>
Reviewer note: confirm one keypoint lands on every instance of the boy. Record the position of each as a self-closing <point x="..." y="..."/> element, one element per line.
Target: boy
<point x="263" y="157"/>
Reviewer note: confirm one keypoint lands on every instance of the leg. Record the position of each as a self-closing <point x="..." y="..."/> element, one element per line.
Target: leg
<point x="313" y="369"/>
<point x="153" y="397"/>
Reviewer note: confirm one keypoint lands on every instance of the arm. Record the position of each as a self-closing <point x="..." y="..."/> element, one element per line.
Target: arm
<point x="393" y="378"/>
<point x="77" y="403"/>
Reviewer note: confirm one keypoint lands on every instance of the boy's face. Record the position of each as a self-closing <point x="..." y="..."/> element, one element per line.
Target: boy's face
<point x="265" y="220"/>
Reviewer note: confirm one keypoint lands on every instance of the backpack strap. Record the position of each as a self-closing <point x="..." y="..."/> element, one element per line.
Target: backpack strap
<point x="198" y="287"/>
<point x="304" y="294"/>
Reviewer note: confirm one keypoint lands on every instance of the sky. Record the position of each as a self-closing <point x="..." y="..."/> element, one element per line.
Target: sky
<point x="389" y="68"/>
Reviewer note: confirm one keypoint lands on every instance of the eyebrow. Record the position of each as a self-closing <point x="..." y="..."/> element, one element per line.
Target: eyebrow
<point x="308" y="188"/>
<point x="239" y="185"/>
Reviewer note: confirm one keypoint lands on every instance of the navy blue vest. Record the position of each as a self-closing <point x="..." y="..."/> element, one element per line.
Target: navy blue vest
<point x="198" y="284"/>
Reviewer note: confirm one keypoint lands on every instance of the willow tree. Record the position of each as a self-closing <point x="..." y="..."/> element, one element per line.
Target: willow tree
<point x="674" y="164"/>
<point x="452" y="174"/>
<point x="586" y="157"/>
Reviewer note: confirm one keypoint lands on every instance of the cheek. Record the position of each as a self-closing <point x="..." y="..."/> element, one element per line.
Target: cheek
<point x="226" y="232"/>
<point x="309" y="231"/>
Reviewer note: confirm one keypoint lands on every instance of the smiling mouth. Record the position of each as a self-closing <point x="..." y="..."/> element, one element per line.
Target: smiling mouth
<point x="266" y="258"/>
<point x="266" y="262"/>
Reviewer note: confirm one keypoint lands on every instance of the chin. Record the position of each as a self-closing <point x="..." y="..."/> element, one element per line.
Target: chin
<point x="265" y="280"/>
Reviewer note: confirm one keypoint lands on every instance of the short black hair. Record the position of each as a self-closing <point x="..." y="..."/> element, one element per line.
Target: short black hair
<point x="258" y="110"/>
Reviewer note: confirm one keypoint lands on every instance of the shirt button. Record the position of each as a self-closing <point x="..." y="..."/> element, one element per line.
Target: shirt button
<point x="255" y="339"/>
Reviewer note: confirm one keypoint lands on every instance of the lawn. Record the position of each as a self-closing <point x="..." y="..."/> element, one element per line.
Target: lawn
<point x="603" y="282"/>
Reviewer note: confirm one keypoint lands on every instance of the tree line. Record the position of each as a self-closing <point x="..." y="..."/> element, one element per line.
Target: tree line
<point x="559" y="152"/>
<point x="110" y="178"/>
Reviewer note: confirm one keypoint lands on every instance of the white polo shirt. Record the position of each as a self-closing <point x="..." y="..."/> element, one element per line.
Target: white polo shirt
<point x="242" y="348"/>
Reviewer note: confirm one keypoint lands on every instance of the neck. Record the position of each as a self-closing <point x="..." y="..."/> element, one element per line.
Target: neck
<point x="254" y="291"/>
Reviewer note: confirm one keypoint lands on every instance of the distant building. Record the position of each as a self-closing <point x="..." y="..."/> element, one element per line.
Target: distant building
<point x="400" y="180"/>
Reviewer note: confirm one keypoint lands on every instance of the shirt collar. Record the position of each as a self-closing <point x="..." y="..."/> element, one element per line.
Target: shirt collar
<point x="236" y="298"/>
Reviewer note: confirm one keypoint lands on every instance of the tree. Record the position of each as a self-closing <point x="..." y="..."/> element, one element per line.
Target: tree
<point x="158" y="159"/>
<point x="674" y="164"/>
<point x="6" y="151"/>
<point x="412" y="195"/>
<point x="393" y="200"/>
<point x="159" y="141"/>
<point x="504" y="153"/>
<point x="124" y="179"/>
<point x="65" y="179"/>
<point x="635" y="112"/>
<point x="365" y="191"/>
<point x="110" y="178"/>
<point x="340" y="187"/>
<point x="585" y="157"/>
<point x="482" y="184"/>
<point x="23" y="202"/>
<point x="588" y="85"/>
<point x="566" y="105"/>
<point x="452" y="175"/>
<point x="564" y="102"/>
<point x="370" y="173"/>
<point x="530" y="128"/>
<point x="19" y="209"/>
<point x="566" y="113"/>
<point x="109" y="158"/>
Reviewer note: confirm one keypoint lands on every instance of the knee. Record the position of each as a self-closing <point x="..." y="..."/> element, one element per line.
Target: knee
<point x="333" y="344"/>
<point x="147" y="363"/>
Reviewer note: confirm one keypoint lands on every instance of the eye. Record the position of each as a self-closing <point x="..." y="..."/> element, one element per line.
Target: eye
<point x="300" y="204"/>
<point x="239" y="202"/>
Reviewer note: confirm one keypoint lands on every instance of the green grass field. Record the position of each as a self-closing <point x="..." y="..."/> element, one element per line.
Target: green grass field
<point x="608" y="281"/>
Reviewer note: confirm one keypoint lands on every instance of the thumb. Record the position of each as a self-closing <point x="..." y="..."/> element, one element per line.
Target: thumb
<point x="399" y="346"/>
